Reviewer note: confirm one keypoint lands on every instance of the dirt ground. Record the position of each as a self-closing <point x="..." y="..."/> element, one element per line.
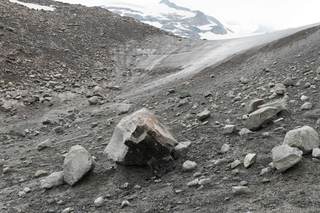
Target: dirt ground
<point x="51" y="63"/>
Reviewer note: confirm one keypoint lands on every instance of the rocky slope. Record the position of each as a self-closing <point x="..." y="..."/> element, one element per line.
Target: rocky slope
<point x="70" y="75"/>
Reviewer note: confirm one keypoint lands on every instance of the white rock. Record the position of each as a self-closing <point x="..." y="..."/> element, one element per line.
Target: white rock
<point x="194" y="182"/>
<point x="27" y="189"/>
<point x="55" y="179"/>
<point x="244" y="131"/>
<point x="204" y="181"/>
<point x="249" y="159"/>
<point x="265" y="171"/>
<point x="304" y="138"/>
<point x="45" y="144"/>
<point x="239" y="190"/>
<point x="228" y="129"/>
<point x="182" y="146"/>
<point x="99" y="202"/>
<point x="40" y="173"/>
<point x="306" y="106"/>
<point x="235" y="164"/>
<point x="205" y="114"/>
<point x="316" y="153"/>
<point x="304" y="98"/>
<point x="94" y="100"/>
<point x="225" y="148"/>
<point x="284" y="157"/>
<point x="125" y="203"/>
<point x="76" y="164"/>
<point x="67" y="210"/>
<point x="189" y="166"/>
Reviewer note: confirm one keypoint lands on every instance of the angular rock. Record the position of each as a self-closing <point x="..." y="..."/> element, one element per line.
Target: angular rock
<point x="253" y="105"/>
<point x="40" y="173"/>
<point x="316" y="153"/>
<point x="55" y="179"/>
<point x="284" y="157"/>
<point x="204" y="181"/>
<point x="139" y="138"/>
<point x="205" y="114"/>
<point x="45" y="144"/>
<point x="228" y="129"/>
<point x="239" y="190"/>
<point x="265" y="171"/>
<point x="182" y="147"/>
<point x="94" y="100"/>
<point x="304" y="98"/>
<point x="194" y="182"/>
<point x="260" y="117"/>
<point x="244" y="131"/>
<point x="307" y="106"/>
<point x="265" y="113"/>
<point x="235" y="164"/>
<point x="280" y="104"/>
<point x="249" y="159"/>
<point x="288" y="82"/>
<point x="125" y="203"/>
<point x="99" y="202"/>
<point x="76" y="164"/>
<point x="189" y="166"/>
<point x="225" y="148"/>
<point x="304" y="138"/>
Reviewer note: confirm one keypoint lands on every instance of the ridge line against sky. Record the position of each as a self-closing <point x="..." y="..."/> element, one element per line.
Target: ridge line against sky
<point x="243" y="16"/>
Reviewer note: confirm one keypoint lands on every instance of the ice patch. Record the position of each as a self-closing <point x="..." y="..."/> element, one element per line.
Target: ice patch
<point x="206" y="27"/>
<point x="33" y="6"/>
<point x="212" y="36"/>
<point x="153" y="23"/>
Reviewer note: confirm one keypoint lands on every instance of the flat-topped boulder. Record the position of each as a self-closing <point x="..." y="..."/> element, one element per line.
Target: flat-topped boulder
<point x="285" y="157"/>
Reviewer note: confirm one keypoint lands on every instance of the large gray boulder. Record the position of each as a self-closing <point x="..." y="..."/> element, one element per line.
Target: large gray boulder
<point x="76" y="164"/>
<point x="139" y="138"/>
<point x="261" y="116"/>
<point x="304" y="138"/>
<point x="284" y="157"/>
<point x="265" y="113"/>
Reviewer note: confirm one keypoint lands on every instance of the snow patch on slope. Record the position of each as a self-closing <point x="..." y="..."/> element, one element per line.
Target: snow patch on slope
<point x="33" y="6"/>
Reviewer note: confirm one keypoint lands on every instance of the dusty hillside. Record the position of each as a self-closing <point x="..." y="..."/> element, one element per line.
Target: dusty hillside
<point x="67" y="79"/>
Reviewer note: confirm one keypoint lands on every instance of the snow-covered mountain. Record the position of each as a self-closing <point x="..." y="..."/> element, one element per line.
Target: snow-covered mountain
<point x="171" y="17"/>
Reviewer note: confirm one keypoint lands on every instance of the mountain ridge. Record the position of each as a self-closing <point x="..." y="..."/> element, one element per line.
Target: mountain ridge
<point x="179" y="20"/>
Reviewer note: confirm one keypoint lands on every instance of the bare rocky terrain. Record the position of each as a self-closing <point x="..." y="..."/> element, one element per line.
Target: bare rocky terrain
<point x="69" y="76"/>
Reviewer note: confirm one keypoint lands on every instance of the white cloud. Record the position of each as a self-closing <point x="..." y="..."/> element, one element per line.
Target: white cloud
<point x="275" y="14"/>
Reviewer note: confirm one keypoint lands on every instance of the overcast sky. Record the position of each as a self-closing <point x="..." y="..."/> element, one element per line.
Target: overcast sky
<point x="242" y="15"/>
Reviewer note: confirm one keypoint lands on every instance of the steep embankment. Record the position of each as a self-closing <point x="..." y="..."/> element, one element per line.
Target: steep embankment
<point x="65" y="74"/>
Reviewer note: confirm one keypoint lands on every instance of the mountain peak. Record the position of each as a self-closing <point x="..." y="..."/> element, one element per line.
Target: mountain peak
<point x="174" y="18"/>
